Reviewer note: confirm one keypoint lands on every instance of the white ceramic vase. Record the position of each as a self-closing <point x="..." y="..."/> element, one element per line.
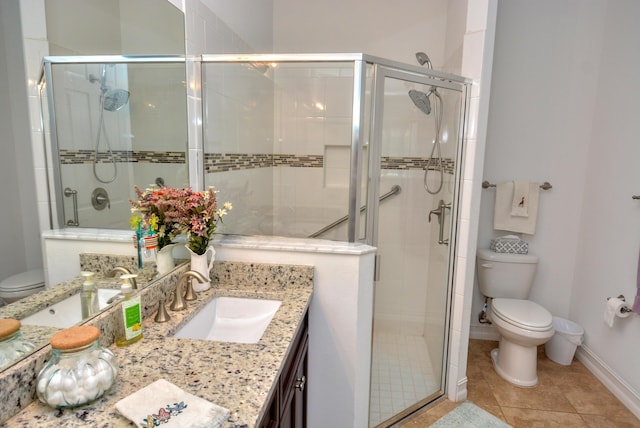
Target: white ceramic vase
<point x="201" y="264"/>
<point x="164" y="260"/>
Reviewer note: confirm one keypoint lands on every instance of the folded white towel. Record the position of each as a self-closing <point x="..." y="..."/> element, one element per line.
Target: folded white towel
<point x="502" y="218"/>
<point x="170" y="406"/>
<point x="520" y="203"/>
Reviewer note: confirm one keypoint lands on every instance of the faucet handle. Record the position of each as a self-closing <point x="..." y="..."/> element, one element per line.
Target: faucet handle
<point x="190" y="294"/>
<point x="162" y="315"/>
<point x="178" y="303"/>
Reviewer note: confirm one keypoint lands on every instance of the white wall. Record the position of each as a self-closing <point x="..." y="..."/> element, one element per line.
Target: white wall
<point x="19" y="227"/>
<point x="562" y="110"/>
<point x="542" y="106"/>
<point x="247" y="18"/>
<point x="607" y="256"/>
<point x="373" y="27"/>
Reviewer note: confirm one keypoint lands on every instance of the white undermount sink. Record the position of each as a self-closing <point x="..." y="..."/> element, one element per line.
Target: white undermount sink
<point x="231" y="319"/>
<point x="67" y="312"/>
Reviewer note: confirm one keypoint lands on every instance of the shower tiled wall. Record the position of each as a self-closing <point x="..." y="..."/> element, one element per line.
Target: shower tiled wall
<point x="292" y="121"/>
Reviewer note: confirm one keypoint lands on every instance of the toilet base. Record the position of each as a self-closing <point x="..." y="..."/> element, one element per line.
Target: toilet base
<point x="515" y="363"/>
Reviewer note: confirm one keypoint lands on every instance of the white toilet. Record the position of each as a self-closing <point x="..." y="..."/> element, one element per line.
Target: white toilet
<point x="522" y="324"/>
<point x="21" y="285"/>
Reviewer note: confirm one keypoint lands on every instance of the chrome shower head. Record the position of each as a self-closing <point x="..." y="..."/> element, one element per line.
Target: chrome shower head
<point x="421" y="100"/>
<point x="424" y="59"/>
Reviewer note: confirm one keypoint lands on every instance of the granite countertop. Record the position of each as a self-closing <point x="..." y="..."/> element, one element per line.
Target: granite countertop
<point x="239" y="377"/>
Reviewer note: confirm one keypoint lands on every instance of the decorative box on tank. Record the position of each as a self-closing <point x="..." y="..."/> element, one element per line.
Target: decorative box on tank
<point x="509" y="244"/>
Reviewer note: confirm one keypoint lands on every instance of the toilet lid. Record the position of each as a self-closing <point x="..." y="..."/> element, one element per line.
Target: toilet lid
<point x="23" y="281"/>
<point x="522" y="313"/>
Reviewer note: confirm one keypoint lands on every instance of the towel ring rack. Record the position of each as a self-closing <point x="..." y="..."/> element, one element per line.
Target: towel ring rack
<point x="544" y="186"/>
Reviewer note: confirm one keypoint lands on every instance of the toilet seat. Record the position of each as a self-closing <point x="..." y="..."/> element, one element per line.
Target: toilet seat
<point x="22" y="284"/>
<point x="524" y="314"/>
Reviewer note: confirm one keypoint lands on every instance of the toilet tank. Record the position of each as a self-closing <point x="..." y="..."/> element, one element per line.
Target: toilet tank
<point x="505" y="275"/>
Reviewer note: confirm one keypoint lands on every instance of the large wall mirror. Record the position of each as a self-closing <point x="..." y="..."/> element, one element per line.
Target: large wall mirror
<point x="119" y="123"/>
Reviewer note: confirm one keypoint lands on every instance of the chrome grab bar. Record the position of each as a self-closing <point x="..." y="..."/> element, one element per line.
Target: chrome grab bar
<point x="74" y="195"/>
<point x="395" y="189"/>
<point x="440" y="212"/>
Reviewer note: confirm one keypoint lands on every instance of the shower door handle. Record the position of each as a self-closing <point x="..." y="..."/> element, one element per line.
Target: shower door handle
<point x="441" y="213"/>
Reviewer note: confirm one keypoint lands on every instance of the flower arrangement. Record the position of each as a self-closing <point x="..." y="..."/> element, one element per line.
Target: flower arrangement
<point x="156" y="209"/>
<point x="199" y="217"/>
<point x="169" y="212"/>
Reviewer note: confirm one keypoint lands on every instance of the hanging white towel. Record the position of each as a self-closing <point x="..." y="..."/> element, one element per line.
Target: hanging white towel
<point x="520" y="204"/>
<point x="502" y="217"/>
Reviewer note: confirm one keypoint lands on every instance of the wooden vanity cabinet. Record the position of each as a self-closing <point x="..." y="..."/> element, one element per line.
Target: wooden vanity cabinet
<point x="288" y="405"/>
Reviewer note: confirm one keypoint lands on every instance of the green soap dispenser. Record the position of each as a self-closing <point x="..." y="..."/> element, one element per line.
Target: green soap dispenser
<point x="131" y="315"/>
<point x="88" y="295"/>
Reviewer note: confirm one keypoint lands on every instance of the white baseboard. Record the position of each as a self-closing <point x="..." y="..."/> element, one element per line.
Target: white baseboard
<point x="610" y="379"/>
<point x="459" y="393"/>
<point x="483" y="332"/>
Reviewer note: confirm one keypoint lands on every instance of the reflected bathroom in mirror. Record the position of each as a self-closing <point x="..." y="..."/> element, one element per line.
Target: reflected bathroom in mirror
<point x="142" y="107"/>
<point x="115" y="122"/>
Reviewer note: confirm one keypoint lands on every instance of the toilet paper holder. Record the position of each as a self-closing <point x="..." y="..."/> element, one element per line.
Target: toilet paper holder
<point x="625" y="308"/>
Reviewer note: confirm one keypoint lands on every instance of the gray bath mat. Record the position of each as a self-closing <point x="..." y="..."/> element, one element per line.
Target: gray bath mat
<point x="468" y="415"/>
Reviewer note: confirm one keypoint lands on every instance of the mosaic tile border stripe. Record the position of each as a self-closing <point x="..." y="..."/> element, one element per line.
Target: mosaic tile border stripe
<point x="77" y="157"/>
<point x="221" y="162"/>
<point x="389" y="162"/>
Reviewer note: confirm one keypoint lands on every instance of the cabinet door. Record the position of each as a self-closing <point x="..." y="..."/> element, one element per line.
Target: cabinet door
<point x="294" y="412"/>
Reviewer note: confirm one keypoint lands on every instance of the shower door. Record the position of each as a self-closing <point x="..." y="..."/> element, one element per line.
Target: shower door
<point x="413" y="233"/>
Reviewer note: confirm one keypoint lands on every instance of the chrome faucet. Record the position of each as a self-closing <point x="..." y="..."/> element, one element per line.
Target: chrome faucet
<point x="123" y="270"/>
<point x="184" y="281"/>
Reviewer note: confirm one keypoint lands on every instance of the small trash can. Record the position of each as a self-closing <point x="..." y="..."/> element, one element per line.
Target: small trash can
<point x="564" y="342"/>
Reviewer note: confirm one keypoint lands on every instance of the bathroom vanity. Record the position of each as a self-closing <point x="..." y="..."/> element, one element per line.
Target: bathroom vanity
<point x="262" y="384"/>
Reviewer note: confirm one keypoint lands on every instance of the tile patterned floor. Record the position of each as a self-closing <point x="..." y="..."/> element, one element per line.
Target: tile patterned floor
<point x="401" y="374"/>
<point x="566" y="396"/>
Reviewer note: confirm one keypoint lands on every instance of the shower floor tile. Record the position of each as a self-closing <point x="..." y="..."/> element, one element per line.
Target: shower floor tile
<point x="401" y="374"/>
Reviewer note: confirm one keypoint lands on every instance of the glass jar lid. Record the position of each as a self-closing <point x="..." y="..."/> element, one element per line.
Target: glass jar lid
<point x="75" y="337"/>
<point x="8" y="327"/>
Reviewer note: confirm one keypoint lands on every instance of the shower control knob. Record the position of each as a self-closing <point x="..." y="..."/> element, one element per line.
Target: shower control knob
<point x="100" y="199"/>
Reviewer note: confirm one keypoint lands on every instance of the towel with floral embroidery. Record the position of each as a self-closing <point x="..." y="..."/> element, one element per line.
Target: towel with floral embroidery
<point x="164" y="404"/>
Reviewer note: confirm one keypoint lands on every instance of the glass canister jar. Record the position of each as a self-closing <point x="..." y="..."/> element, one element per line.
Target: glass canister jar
<point x="12" y="345"/>
<point x="79" y="370"/>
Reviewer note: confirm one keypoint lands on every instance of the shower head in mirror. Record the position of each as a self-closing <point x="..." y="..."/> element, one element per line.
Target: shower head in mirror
<point x="424" y="59"/>
<point x="115" y="99"/>
<point x="420" y="100"/>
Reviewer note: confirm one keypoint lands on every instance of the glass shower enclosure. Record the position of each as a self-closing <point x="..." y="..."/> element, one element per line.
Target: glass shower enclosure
<point x="355" y="148"/>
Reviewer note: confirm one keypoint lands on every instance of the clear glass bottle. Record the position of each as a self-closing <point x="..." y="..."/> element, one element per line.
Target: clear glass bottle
<point x="12" y="345"/>
<point x="79" y="370"/>
<point x="88" y="296"/>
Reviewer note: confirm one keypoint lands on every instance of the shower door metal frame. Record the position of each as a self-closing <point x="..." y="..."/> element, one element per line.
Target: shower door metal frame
<point x="46" y="79"/>
<point x="426" y="77"/>
<point x="380" y="73"/>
